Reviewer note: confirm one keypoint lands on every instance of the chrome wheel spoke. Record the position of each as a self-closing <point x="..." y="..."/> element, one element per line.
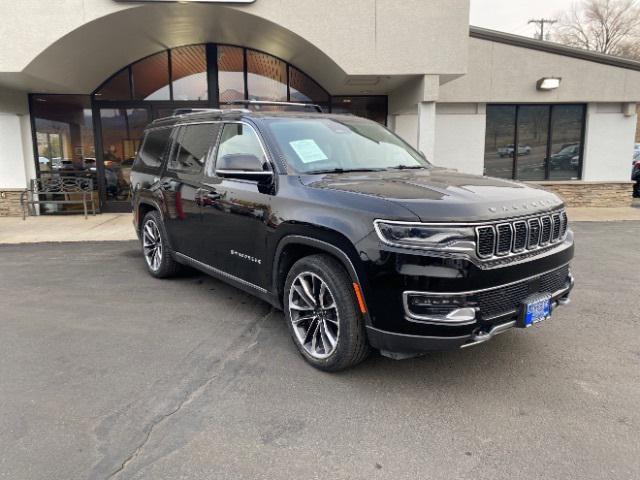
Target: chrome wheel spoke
<point x="152" y="245"/>
<point x="314" y="315"/>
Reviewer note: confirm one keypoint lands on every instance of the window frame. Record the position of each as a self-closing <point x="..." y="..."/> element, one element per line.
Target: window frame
<point x="516" y="138"/>
<point x="211" y="164"/>
<point x="176" y="134"/>
<point x="140" y="165"/>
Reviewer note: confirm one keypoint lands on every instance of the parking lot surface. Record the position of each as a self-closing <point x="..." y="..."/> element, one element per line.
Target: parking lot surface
<point x="106" y="373"/>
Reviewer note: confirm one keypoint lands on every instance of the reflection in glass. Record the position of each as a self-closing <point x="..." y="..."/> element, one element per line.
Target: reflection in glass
<point x="499" y="141"/>
<point x="189" y="72"/>
<point x="64" y="135"/>
<point x="230" y="73"/>
<point x="371" y="107"/>
<point x="533" y="136"/>
<point x="121" y="134"/>
<point x="566" y="142"/>
<point x="116" y="88"/>
<point x="151" y="78"/>
<point x="303" y="89"/>
<point x="266" y="77"/>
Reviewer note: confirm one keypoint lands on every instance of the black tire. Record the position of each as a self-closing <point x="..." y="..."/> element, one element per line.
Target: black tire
<point x="166" y="267"/>
<point x="351" y="345"/>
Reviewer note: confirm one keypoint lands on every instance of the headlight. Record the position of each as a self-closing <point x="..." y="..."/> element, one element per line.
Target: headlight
<point x="451" y="239"/>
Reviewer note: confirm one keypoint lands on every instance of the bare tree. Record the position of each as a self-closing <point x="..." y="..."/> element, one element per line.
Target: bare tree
<point x="606" y="26"/>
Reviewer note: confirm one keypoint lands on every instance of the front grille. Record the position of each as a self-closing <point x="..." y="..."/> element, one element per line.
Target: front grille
<point x="515" y="237"/>
<point x="503" y="300"/>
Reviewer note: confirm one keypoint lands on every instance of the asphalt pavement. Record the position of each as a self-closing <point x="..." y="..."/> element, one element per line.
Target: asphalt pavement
<point x="107" y="373"/>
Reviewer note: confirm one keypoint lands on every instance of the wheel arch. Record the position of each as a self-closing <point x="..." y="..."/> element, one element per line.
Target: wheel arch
<point x="294" y="246"/>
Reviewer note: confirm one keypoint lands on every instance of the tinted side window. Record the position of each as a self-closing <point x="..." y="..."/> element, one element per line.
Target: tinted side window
<point x="192" y="146"/>
<point x="154" y="148"/>
<point x="239" y="139"/>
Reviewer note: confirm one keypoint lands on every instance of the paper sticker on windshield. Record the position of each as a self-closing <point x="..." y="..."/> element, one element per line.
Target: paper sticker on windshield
<point x="308" y="151"/>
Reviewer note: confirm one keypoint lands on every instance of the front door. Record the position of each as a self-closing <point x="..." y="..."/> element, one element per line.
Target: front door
<point x="121" y="131"/>
<point x="236" y="212"/>
<point x="180" y="186"/>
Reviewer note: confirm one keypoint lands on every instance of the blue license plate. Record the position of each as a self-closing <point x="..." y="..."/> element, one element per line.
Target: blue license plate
<point x="536" y="309"/>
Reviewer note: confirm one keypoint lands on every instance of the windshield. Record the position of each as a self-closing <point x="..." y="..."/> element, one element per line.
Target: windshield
<point x="320" y="145"/>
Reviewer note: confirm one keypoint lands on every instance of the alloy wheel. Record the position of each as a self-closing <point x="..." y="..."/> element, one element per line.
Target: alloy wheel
<point x="152" y="245"/>
<point x="314" y="315"/>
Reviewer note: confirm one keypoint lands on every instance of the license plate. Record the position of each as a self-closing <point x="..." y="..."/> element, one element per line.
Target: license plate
<point x="535" y="309"/>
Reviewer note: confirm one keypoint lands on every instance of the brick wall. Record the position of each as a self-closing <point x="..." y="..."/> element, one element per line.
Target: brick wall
<point x="592" y="194"/>
<point x="10" y="203"/>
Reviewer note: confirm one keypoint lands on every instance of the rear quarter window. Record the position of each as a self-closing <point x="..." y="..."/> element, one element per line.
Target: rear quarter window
<point x="154" y="149"/>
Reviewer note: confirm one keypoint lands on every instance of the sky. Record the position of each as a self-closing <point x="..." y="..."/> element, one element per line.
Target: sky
<point x="512" y="15"/>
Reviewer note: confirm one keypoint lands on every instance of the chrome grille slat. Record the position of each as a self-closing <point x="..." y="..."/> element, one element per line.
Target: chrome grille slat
<point x="514" y="237"/>
<point x="534" y="233"/>
<point x="520" y="236"/>
<point x="504" y="243"/>
<point x="557" y="225"/>
<point x="545" y="236"/>
<point x="486" y="241"/>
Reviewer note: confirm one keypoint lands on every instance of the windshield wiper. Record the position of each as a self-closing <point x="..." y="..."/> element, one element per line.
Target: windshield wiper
<point x="343" y="170"/>
<point x="406" y="167"/>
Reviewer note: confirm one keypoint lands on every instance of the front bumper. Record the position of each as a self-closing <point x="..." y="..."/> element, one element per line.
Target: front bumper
<point x="402" y="344"/>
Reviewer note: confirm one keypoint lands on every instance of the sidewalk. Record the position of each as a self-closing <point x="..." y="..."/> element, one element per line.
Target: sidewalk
<point x="117" y="226"/>
<point x="67" y="228"/>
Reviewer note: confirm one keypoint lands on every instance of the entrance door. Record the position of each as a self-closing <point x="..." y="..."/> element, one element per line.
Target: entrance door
<point x="121" y="131"/>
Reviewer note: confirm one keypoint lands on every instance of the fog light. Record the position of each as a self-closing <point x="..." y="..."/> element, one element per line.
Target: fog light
<point x="447" y="310"/>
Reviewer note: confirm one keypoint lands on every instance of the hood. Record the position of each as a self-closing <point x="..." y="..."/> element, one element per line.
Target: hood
<point x="440" y="195"/>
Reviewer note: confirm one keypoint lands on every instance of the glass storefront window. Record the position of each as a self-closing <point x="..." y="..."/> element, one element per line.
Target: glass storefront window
<point x="151" y="78"/>
<point x="499" y="141"/>
<point x="230" y="73"/>
<point x="266" y="77"/>
<point x="122" y="130"/>
<point x="189" y="72"/>
<point x="567" y="122"/>
<point x="303" y="89"/>
<point x="64" y="136"/>
<point x="533" y="136"/>
<point x="371" y="107"/>
<point x="548" y="137"/>
<point x="117" y="87"/>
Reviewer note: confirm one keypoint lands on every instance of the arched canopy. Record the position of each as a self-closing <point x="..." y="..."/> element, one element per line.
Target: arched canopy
<point x="80" y="61"/>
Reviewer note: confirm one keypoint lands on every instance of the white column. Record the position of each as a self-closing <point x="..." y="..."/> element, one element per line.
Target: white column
<point x="460" y="136"/>
<point x="609" y="140"/>
<point x="427" y="129"/>
<point x="12" y="156"/>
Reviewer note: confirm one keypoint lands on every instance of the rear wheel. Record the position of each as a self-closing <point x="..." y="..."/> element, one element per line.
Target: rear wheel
<point x="322" y="316"/>
<point x="157" y="255"/>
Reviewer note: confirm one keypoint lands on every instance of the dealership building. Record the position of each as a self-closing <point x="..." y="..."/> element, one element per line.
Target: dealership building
<point x="80" y="79"/>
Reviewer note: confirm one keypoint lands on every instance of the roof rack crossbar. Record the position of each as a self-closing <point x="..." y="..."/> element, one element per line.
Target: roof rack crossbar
<point x="264" y="103"/>
<point x="185" y="111"/>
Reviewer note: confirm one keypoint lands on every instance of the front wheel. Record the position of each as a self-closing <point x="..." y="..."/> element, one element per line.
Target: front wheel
<point x="322" y="316"/>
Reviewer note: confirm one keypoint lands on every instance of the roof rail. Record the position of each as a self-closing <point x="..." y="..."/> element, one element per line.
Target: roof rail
<point x="185" y="111"/>
<point x="263" y="103"/>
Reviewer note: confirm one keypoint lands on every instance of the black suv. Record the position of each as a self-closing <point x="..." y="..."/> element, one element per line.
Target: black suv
<point x="349" y="230"/>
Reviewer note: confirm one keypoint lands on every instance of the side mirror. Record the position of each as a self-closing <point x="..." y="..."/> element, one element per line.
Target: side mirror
<point x="242" y="166"/>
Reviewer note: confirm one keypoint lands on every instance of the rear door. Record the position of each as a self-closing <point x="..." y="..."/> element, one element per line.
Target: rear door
<point x="236" y="212"/>
<point x="181" y="184"/>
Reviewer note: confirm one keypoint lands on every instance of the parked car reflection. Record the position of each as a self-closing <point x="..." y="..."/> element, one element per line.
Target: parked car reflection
<point x="567" y="158"/>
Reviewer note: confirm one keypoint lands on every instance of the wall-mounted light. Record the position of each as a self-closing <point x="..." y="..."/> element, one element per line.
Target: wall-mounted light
<point x="548" y="83"/>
